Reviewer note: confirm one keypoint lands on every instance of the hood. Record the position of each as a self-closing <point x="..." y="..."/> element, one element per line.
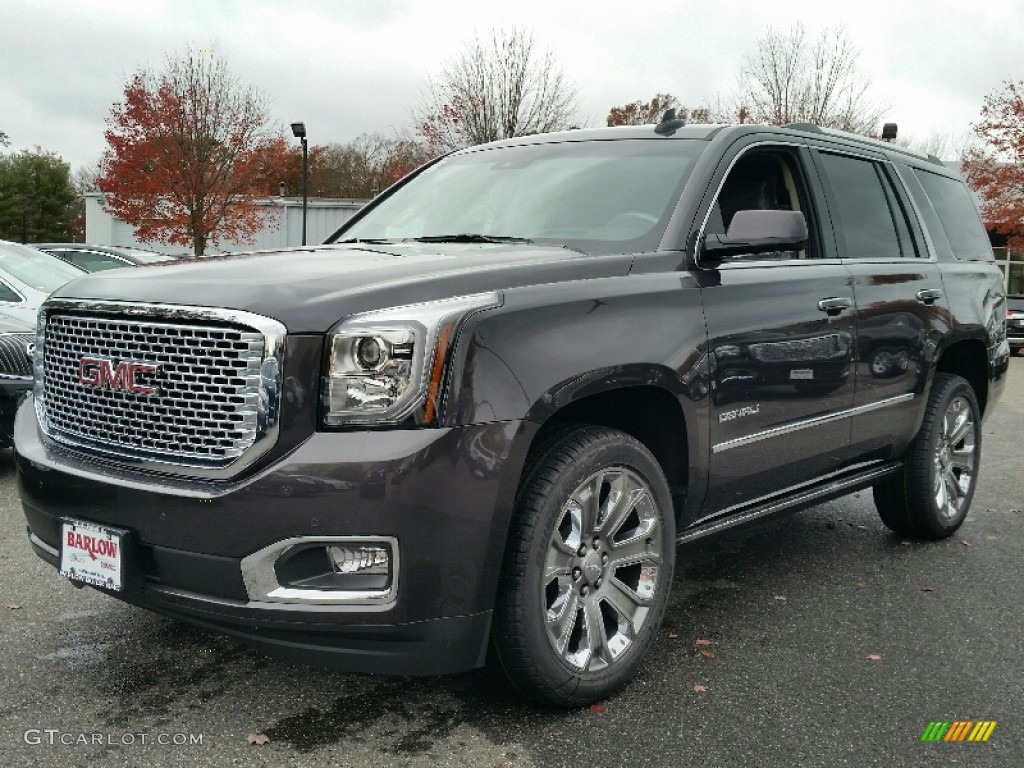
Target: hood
<point x="310" y="289"/>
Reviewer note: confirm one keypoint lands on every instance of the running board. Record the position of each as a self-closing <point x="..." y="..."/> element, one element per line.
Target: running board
<point x="806" y="497"/>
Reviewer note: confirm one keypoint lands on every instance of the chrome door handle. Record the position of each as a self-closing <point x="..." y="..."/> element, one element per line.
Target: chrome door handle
<point x="834" y="305"/>
<point x="929" y="295"/>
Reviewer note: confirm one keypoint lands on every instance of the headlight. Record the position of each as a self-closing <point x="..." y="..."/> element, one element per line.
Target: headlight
<point x="383" y="365"/>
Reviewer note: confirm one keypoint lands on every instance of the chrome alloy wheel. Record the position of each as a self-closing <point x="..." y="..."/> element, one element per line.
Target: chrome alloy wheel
<point x="601" y="569"/>
<point x="954" y="458"/>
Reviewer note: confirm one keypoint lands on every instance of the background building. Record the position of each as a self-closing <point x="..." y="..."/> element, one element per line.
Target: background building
<point x="282" y="230"/>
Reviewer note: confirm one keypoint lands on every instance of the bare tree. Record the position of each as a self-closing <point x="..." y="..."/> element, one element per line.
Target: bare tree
<point x="83" y="181"/>
<point x="497" y="88"/>
<point x="945" y="146"/>
<point x="793" y="79"/>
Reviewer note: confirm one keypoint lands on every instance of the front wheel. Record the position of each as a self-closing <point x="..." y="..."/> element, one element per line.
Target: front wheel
<point x="930" y="497"/>
<point x="587" y="568"/>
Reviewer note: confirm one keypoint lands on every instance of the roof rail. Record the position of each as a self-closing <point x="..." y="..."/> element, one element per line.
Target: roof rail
<point x="884" y="145"/>
<point x="805" y="127"/>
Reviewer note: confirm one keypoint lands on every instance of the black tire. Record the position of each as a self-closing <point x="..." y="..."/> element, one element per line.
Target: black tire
<point x="621" y="565"/>
<point x="931" y="496"/>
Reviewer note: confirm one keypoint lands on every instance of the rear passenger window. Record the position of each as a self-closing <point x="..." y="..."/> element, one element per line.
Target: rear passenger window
<point x="957" y="215"/>
<point x="861" y="205"/>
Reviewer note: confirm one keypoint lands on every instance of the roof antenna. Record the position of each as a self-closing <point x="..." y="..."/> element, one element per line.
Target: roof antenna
<point x="889" y="132"/>
<point x="669" y="123"/>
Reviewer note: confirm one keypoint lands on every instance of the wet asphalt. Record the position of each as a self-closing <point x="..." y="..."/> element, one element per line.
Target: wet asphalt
<point x="826" y="640"/>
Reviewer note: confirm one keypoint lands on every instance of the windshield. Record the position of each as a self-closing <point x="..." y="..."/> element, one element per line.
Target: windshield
<point x="595" y="196"/>
<point x="34" y="268"/>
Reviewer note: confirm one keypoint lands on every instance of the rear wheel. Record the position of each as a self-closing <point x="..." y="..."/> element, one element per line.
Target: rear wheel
<point x="587" y="568"/>
<point x="932" y="494"/>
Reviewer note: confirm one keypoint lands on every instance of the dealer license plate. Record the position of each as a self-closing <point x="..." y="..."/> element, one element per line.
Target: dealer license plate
<point x="91" y="553"/>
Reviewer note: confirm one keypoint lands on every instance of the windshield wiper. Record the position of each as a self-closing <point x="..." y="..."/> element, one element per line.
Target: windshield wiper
<point x="470" y="238"/>
<point x="370" y="240"/>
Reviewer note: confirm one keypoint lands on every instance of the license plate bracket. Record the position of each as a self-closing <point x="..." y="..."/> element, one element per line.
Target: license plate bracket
<point x="93" y="554"/>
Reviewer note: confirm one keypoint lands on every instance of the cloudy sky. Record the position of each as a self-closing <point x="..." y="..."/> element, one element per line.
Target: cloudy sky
<point x="348" y="67"/>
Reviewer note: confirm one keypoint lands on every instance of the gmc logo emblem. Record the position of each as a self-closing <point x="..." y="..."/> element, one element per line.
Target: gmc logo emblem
<point x="95" y="372"/>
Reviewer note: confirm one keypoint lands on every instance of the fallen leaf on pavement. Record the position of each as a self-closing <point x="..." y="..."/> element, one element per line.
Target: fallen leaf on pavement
<point x="699" y="688"/>
<point x="927" y="589"/>
<point x="259" y="739"/>
<point x="965" y="543"/>
<point x="780" y="598"/>
<point x="13" y="607"/>
<point x="598" y="709"/>
<point x="862" y="583"/>
<point x="672" y="635"/>
<point x="702" y="641"/>
<point x="708" y="654"/>
<point x="873" y="657"/>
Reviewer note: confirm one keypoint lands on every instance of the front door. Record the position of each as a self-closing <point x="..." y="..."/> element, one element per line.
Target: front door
<point x="781" y="343"/>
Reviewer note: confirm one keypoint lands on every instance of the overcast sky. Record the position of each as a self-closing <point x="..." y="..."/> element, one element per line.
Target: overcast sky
<point x="348" y="67"/>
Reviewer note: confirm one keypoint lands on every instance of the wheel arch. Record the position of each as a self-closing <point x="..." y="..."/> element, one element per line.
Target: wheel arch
<point x="969" y="360"/>
<point x="648" y="413"/>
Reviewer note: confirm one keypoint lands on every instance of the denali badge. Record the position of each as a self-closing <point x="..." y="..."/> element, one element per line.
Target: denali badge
<point x="95" y="372"/>
<point x="747" y="410"/>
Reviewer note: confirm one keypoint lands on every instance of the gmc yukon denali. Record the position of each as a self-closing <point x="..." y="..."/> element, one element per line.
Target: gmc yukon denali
<point x="477" y="422"/>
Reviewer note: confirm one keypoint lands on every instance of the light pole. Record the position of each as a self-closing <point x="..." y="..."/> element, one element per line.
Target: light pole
<point x="299" y="131"/>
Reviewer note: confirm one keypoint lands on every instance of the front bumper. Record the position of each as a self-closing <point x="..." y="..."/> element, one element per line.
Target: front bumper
<point x="443" y="495"/>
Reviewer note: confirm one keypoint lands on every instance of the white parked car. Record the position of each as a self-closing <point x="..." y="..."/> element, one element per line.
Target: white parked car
<point x="27" y="277"/>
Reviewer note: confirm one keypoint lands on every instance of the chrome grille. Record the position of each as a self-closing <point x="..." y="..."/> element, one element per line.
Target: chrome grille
<point x="15" y="359"/>
<point x="207" y="405"/>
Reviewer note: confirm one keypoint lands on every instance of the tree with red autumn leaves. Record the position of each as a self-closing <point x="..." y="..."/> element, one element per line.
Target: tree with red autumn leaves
<point x="650" y="112"/>
<point x="642" y="112"/>
<point x="359" y="169"/>
<point x="996" y="169"/>
<point x="189" y="153"/>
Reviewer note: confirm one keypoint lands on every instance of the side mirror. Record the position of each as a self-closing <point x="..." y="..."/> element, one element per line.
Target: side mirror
<point x="758" y="232"/>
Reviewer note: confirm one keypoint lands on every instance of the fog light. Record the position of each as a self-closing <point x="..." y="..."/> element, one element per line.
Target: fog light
<point x="360" y="559"/>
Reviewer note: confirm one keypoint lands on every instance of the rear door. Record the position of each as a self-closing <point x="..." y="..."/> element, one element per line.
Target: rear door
<point x="780" y="338"/>
<point x="902" y="313"/>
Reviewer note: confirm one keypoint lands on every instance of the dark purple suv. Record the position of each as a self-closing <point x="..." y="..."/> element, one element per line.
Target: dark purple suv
<point x="478" y="421"/>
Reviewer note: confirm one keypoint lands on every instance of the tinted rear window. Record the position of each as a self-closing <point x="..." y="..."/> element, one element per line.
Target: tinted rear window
<point x="957" y="215"/>
<point x="1016" y="303"/>
<point x="866" y="220"/>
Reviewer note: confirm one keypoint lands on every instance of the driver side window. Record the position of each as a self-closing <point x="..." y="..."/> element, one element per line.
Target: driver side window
<point x="764" y="180"/>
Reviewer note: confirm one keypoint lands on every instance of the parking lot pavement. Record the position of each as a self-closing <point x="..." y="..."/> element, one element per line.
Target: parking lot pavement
<point x="819" y="639"/>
